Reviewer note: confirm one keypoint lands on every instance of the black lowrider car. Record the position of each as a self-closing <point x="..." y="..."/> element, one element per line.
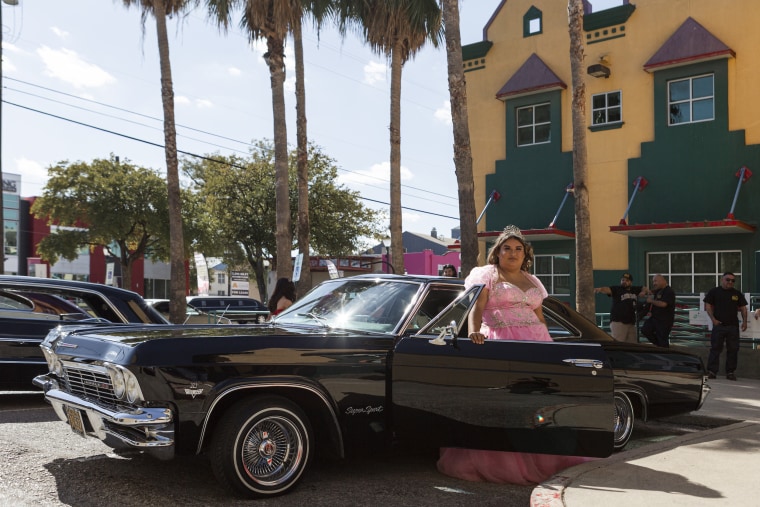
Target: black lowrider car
<point x="357" y="361"/>
<point x="30" y="307"/>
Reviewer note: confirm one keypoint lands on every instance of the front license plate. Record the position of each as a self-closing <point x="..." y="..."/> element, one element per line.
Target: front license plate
<point x="75" y="420"/>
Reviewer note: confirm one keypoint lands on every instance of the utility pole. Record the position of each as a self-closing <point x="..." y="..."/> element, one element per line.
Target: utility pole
<point x="2" y="183"/>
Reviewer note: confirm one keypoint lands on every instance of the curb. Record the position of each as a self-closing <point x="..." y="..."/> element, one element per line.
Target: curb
<point x="551" y="492"/>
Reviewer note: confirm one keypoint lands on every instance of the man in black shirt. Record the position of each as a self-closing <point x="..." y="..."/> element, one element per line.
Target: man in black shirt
<point x="662" y="312"/>
<point x="722" y="304"/>
<point x="623" y="310"/>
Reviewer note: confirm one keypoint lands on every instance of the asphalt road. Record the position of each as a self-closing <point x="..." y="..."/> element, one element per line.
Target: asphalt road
<point x="45" y="464"/>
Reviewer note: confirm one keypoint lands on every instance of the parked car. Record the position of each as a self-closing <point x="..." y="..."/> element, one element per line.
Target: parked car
<point x="236" y="308"/>
<point x="30" y="307"/>
<point x="355" y="363"/>
<point x="192" y="316"/>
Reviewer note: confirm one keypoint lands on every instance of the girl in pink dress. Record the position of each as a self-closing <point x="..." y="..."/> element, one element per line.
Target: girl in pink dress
<point x="508" y="308"/>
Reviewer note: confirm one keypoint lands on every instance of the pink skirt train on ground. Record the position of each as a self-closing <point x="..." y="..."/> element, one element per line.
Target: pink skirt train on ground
<point x="503" y="467"/>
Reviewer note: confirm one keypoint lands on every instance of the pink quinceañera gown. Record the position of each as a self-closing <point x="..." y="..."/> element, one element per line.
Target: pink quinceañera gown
<point x="509" y="314"/>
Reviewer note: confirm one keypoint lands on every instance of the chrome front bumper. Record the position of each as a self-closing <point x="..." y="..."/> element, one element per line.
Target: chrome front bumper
<point x="149" y="429"/>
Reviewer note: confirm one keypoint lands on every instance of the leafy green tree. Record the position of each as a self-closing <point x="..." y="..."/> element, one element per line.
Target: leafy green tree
<point x="116" y="205"/>
<point x="241" y="209"/>
<point x="396" y="29"/>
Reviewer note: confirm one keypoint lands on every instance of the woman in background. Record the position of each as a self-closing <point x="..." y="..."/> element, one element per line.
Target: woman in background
<point x="283" y="296"/>
<point x="508" y="308"/>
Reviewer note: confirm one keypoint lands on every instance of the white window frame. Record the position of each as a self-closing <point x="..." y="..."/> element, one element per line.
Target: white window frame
<point x="553" y="274"/>
<point x="693" y="274"/>
<point x="532" y="125"/>
<point x="606" y="108"/>
<point x="691" y="100"/>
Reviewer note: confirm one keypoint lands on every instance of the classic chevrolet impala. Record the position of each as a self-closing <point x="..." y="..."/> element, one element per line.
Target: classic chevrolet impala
<point x="357" y="362"/>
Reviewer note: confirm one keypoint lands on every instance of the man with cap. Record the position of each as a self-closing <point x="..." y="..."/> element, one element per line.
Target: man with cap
<point x="623" y="310"/>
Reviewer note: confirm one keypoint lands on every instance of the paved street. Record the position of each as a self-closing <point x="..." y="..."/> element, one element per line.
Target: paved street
<point x="48" y="465"/>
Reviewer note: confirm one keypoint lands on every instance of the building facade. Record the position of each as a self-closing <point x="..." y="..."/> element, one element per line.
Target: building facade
<point x="672" y="137"/>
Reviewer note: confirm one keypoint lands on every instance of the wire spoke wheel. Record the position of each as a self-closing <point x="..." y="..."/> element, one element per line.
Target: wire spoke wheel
<point x="272" y="451"/>
<point x="262" y="447"/>
<point x="624" y="417"/>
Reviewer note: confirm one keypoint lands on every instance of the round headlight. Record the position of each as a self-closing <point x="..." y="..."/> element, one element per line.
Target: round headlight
<point x="133" y="389"/>
<point x="119" y="384"/>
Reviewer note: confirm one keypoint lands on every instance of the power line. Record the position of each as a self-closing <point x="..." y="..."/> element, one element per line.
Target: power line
<point x="363" y="175"/>
<point x="191" y="154"/>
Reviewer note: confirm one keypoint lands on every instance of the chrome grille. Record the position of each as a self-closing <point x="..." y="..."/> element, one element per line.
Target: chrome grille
<point x="91" y="383"/>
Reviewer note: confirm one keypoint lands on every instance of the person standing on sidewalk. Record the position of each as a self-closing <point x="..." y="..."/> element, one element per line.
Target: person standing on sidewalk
<point x="623" y="319"/>
<point x="662" y="312"/>
<point x="722" y="305"/>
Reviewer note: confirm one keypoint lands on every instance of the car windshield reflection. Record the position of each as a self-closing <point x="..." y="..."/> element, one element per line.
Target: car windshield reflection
<point x="357" y="305"/>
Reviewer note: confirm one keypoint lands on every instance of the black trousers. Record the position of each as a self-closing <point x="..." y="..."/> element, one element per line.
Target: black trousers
<point x="720" y="335"/>
<point x="657" y="331"/>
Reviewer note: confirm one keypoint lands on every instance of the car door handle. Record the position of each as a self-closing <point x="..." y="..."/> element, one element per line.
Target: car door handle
<point x="585" y="363"/>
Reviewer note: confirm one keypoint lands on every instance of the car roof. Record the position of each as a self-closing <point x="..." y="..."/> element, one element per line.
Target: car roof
<point x="55" y="282"/>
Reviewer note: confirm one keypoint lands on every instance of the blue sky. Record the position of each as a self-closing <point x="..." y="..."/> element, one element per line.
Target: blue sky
<point x="90" y="62"/>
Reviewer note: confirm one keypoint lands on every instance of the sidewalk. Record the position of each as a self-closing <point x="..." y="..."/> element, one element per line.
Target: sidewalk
<point x="713" y="467"/>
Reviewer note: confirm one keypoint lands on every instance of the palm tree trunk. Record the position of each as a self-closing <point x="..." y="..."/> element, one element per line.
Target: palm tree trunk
<point x="397" y="244"/>
<point x="462" y="148"/>
<point x="177" y="306"/>
<point x="302" y="163"/>
<point x="126" y="266"/>
<point x="275" y="59"/>
<point x="584" y="267"/>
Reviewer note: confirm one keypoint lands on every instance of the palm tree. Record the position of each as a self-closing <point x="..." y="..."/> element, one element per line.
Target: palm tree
<point x="270" y="20"/>
<point x="584" y="267"/>
<point x="396" y="29"/>
<point x="160" y="9"/>
<point x="318" y="9"/>
<point x="460" y="125"/>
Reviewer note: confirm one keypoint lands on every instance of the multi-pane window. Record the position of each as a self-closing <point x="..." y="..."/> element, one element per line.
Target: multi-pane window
<point x="533" y="124"/>
<point x="606" y="108"/>
<point x="554" y="273"/>
<point x="691" y="100"/>
<point x="695" y="272"/>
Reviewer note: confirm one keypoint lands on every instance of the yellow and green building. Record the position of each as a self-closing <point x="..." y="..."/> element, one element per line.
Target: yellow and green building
<point x="673" y="137"/>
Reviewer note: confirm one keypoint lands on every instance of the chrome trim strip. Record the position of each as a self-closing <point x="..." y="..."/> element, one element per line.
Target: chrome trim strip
<point x="142" y="418"/>
<point x="307" y="387"/>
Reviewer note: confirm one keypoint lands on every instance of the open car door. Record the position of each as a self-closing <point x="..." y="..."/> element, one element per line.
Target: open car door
<point x="543" y="397"/>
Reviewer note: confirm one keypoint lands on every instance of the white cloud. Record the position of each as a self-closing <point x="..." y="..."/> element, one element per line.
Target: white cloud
<point x="377" y="175"/>
<point x="63" y="34"/>
<point x="69" y="67"/>
<point x="8" y="65"/>
<point x="443" y="113"/>
<point x="203" y="103"/>
<point x="259" y="46"/>
<point x="234" y="71"/>
<point x="375" y="72"/>
<point x="181" y="100"/>
<point x="409" y="218"/>
<point x="33" y="176"/>
<point x="7" y="46"/>
<point x="290" y="84"/>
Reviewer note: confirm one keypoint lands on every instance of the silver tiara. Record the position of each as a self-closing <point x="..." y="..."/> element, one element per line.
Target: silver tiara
<point x="512" y="230"/>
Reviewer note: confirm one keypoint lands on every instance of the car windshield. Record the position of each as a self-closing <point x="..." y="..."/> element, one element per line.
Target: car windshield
<point x="358" y="305"/>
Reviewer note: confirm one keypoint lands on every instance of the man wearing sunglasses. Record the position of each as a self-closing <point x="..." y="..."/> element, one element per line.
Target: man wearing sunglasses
<point x="722" y="305"/>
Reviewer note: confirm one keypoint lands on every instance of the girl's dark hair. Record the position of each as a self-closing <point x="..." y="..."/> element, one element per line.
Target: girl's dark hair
<point x="284" y="287"/>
